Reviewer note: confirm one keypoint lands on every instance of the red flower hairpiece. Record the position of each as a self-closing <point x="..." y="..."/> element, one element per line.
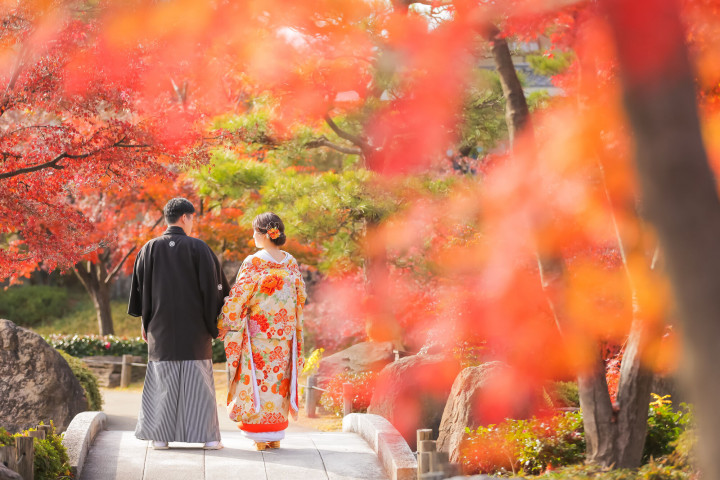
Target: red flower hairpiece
<point x="273" y="232"/>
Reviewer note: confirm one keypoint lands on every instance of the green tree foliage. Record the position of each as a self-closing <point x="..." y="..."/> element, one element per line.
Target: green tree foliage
<point x="551" y="65"/>
<point x="325" y="212"/>
<point x="482" y="125"/>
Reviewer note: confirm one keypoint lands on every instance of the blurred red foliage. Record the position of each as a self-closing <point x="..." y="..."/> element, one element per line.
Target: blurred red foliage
<point x="363" y="386"/>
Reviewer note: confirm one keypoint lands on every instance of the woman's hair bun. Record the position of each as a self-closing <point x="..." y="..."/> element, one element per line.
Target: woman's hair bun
<point x="268" y="220"/>
<point x="280" y="240"/>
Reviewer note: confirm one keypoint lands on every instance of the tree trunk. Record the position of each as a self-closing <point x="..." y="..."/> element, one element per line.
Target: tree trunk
<point x="615" y="436"/>
<point x="93" y="277"/>
<point x="679" y="192"/>
<point x="517" y="114"/>
<point x="598" y="417"/>
<point x="101" y="300"/>
<point x="634" y="398"/>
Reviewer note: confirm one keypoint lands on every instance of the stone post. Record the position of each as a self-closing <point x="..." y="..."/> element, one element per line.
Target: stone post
<point x="126" y="372"/>
<point x="347" y="398"/>
<point x="311" y="397"/>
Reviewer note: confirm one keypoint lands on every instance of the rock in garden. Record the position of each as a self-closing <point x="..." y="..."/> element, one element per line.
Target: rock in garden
<point x="361" y="357"/>
<point x="7" y="474"/>
<point x="461" y="409"/>
<point x="411" y="393"/>
<point x="37" y="383"/>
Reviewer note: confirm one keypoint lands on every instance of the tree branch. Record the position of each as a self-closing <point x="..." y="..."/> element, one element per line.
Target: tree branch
<point x="51" y="164"/>
<point x="84" y="273"/>
<point x="354" y="139"/>
<point x="54" y="162"/>
<point x="324" y="142"/>
<point x="117" y="268"/>
<point x="132" y="145"/>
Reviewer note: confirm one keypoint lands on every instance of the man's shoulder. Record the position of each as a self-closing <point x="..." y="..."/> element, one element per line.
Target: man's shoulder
<point x="149" y="244"/>
<point x="198" y="242"/>
<point x="199" y="245"/>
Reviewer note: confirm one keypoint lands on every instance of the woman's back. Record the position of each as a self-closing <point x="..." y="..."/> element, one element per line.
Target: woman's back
<point x="272" y="309"/>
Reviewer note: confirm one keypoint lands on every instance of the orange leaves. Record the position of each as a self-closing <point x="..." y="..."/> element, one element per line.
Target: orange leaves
<point x="417" y="125"/>
<point x="131" y="24"/>
<point x="598" y="301"/>
<point x="465" y="262"/>
<point x="649" y="33"/>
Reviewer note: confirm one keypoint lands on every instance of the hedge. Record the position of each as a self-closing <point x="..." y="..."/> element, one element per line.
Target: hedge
<point x="95" y="345"/>
<point x="87" y="379"/>
<point x="31" y="305"/>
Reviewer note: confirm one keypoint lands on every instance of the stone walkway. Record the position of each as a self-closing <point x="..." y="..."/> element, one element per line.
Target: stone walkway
<point x="118" y="455"/>
<point x="305" y="454"/>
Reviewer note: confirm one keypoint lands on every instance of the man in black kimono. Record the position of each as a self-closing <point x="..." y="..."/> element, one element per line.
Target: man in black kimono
<point x="178" y="289"/>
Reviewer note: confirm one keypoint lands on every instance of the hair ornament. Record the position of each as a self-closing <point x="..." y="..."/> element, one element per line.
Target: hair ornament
<point x="273" y="232"/>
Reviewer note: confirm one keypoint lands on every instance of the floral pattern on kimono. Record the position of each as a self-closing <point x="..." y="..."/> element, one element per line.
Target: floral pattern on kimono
<point x="264" y="315"/>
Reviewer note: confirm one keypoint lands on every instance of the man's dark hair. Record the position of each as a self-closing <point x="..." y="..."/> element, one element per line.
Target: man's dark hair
<point x="176" y="208"/>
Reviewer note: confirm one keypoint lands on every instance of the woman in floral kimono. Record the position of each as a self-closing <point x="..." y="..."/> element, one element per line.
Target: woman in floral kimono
<point x="261" y="323"/>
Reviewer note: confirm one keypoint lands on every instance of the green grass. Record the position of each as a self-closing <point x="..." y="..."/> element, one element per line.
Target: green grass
<point x="81" y="319"/>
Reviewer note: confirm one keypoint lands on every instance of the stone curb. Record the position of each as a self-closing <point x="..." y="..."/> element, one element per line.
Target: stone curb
<point x="483" y="477"/>
<point x="395" y="455"/>
<point x="80" y="435"/>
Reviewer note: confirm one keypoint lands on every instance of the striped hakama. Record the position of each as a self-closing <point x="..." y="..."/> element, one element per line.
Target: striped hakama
<point x="178" y="403"/>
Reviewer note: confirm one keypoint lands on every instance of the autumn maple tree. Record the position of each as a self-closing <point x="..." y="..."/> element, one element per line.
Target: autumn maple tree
<point x="75" y="120"/>
<point x="57" y="137"/>
<point x="123" y="220"/>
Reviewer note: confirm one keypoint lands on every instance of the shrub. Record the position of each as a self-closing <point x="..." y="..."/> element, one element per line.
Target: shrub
<point x="564" y="394"/>
<point x="683" y="454"/>
<point x="6" y="438"/>
<point x="363" y="386"/>
<point x="651" y="471"/>
<point x="313" y="362"/>
<point x="528" y="446"/>
<point x="470" y="353"/>
<point x="51" y="460"/>
<point x="31" y="305"/>
<point x="218" y="351"/>
<point x="665" y="426"/>
<point x="86" y="378"/>
<point x="91" y="345"/>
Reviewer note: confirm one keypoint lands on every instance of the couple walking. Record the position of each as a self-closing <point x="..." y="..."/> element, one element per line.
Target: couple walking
<point x="184" y="299"/>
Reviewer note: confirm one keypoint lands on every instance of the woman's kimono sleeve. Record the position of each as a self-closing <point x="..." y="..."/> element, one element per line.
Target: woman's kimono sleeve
<point x="235" y="308"/>
<point x="301" y="297"/>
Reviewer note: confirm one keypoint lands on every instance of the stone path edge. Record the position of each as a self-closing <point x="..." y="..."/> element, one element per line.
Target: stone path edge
<point x="80" y="435"/>
<point x="391" y="448"/>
